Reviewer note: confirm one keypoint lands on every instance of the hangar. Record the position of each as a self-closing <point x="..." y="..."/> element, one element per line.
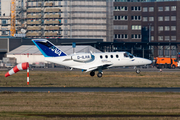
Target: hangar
<point x="35" y="55"/>
<point x="9" y="44"/>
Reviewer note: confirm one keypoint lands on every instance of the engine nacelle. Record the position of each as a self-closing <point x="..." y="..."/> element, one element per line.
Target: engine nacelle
<point x="82" y="57"/>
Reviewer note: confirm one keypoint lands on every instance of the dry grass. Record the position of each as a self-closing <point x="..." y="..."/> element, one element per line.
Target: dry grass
<point x="36" y="105"/>
<point x="79" y="79"/>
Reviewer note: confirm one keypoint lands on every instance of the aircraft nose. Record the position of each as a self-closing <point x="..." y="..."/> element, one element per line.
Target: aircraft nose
<point x="147" y="62"/>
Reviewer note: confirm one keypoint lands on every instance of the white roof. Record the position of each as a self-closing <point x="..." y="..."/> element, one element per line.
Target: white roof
<point x="32" y="49"/>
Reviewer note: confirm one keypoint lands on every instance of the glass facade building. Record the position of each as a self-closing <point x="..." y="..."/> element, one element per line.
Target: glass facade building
<point x="67" y="18"/>
<point x="88" y="19"/>
<point x="148" y="21"/>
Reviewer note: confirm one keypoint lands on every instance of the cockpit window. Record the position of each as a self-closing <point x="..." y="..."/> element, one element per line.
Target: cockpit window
<point x="131" y="56"/>
<point x="128" y="55"/>
<point x="125" y="55"/>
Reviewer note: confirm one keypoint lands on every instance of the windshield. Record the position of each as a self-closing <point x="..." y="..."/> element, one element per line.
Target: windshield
<point x="128" y="55"/>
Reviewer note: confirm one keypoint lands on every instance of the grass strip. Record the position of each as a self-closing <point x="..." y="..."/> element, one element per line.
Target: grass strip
<point x="90" y="105"/>
<point x="79" y="79"/>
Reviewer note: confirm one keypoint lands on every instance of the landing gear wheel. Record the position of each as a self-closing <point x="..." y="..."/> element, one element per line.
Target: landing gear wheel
<point x="173" y="67"/>
<point x="138" y="71"/>
<point x="99" y="74"/>
<point x="92" y="73"/>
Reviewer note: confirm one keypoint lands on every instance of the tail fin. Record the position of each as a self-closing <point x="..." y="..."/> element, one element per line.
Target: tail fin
<point x="47" y="48"/>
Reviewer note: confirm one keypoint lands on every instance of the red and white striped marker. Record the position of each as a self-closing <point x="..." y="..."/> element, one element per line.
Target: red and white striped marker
<point x="28" y="70"/>
<point x="28" y="76"/>
<point x="21" y="66"/>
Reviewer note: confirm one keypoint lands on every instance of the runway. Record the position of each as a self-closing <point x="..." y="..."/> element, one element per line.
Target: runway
<point x="86" y="89"/>
<point x="118" y="69"/>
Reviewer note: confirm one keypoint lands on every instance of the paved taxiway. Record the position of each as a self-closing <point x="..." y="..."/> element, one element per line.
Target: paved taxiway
<point x="118" y="69"/>
<point x="86" y="89"/>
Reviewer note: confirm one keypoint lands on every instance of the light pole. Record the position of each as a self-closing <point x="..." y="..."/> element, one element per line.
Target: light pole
<point x="149" y="38"/>
<point x="149" y="32"/>
<point x="169" y="48"/>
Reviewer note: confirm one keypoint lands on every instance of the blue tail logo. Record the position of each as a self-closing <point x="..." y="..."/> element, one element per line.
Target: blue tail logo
<point x="56" y="50"/>
<point x="47" y="48"/>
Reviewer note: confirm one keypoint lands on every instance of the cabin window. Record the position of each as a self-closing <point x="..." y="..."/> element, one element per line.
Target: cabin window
<point x="101" y="56"/>
<point x="117" y="56"/>
<point x="106" y="56"/>
<point x="111" y="56"/>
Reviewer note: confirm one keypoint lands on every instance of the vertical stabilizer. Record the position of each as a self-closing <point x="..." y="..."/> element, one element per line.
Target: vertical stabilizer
<point x="48" y="49"/>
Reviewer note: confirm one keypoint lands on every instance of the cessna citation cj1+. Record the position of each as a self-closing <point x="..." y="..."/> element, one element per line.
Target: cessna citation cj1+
<point x="88" y="62"/>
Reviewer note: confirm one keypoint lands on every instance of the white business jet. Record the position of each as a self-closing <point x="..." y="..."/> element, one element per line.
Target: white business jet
<point x="88" y="62"/>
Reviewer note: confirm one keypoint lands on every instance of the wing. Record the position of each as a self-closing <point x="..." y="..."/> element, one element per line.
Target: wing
<point x="102" y="66"/>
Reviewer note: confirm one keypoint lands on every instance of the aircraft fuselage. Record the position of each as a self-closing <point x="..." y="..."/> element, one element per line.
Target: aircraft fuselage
<point x="114" y="58"/>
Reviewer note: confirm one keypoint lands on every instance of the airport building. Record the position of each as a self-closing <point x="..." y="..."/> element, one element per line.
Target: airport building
<point x="35" y="55"/>
<point x="127" y="21"/>
<point x="161" y="20"/>
<point x="67" y="19"/>
<point x="80" y="19"/>
<point x="5" y="22"/>
<point x="148" y="21"/>
<point x="5" y="16"/>
<point x="44" y="19"/>
<point x="9" y="44"/>
<point x="88" y="19"/>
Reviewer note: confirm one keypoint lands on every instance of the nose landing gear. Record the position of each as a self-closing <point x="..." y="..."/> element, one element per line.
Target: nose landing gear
<point x="138" y="71"/>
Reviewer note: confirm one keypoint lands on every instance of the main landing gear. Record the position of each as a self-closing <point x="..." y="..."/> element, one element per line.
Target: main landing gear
<point x="92" y="73"/>
<point x="138" y="71"/>
<point x="99" y="74"/>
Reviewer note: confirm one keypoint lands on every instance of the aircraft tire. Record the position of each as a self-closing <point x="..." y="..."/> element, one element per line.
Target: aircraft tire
<point x="99" y="74"/>
<point x="138" y="71"/>
<point x="92" y="73"/>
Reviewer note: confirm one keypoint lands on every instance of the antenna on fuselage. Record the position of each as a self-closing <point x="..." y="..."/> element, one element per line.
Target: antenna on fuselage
<point x="74" y="46"/>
